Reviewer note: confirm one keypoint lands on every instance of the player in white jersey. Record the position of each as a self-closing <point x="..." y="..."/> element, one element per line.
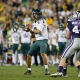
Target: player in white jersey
<point x="15" y="36"/>
<point x="20" y="55"/>
<point x="61" y="38"/>
<point x="25" y="44"/>
<point x="39" y="27"/>
<point x="2" y="44"/>
<point x="3" y="48"/>
<point x="49" y="52"/>
<point x="1" y="25"/>
<point x="54" y="44"/>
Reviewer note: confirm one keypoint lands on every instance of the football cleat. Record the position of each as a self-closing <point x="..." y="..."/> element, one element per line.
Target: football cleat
<point x="56" y="74"/>
<point x="28" y="72"/>
<point x="47" y="72"/>
<point x="66" y="75"/>
<point x="79" y="74"/>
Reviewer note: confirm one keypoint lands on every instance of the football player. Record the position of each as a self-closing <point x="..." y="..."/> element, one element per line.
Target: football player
<point x="54" y="44"/>
<point x="74" y="47"/>
<point x="39" y="27"/>
<point x="15" y="36"/>
<point x="61" y="38"/>
<point x="25" y="44"/>
<point x="2" y="43"/>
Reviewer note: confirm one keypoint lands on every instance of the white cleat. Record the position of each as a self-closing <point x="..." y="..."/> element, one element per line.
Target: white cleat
<point x="78" y="75"/>
<point x="56" y="74"/>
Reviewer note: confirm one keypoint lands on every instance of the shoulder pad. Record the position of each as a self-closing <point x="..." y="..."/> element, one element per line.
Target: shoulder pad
<point x="43" y="20"/>
<point x="73" y="17"/>
<point x="70" y="19"/>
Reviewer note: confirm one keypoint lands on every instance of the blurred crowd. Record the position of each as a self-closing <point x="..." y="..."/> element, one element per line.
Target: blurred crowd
<point x="54" y="11"/>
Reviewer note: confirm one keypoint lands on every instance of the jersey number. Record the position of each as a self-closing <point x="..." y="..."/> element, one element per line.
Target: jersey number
<point x="75" y="29"/>
<point x="16" y="38"/>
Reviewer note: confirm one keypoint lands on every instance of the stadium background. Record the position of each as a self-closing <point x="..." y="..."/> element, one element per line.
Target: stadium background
<point x="54" y="11"/>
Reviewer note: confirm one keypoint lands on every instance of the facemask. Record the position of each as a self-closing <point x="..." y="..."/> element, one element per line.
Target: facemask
<point x="15" y="30"/>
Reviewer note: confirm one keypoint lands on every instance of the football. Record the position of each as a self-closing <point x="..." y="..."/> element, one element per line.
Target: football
<point x="27" y="28"/>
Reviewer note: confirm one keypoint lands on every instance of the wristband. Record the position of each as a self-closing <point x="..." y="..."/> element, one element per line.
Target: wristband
<point x="50" y="46"/>
<point x="19" y="45"/>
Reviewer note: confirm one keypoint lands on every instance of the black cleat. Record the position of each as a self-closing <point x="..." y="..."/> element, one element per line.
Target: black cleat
<point x="28" y="72"/>
<point x="13" y="63"/>
<point x="47" y="72"/>
<point x="64" y="73"/>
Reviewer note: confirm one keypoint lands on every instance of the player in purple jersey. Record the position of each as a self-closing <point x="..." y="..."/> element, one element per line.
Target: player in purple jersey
<point x="73" y="32"/>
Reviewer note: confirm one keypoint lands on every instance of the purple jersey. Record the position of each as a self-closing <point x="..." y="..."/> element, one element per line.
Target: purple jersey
<point x="74" y="28"/>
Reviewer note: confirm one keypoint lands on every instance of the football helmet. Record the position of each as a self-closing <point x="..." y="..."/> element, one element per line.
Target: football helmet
<point x="15" y="27"/>
<point x="37" y="14"/>
<point x="76" y="15"/>
<point x="23" y="27"/>
<point x="61" y="26"/>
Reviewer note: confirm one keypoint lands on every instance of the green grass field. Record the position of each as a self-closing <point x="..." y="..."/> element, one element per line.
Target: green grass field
<point x="16" y="73"/>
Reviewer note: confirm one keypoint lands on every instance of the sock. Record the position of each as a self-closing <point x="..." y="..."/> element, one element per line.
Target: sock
<point x="54" y="62"/>
<point x="20" y="59"/>
<point x="29" y="69"/>
<point x="46" y="66"/>
<point x="57" y="61"/>
<point x="13" y="58"/>
<point x="78" y="67"/>
<point x="60" y="69"/>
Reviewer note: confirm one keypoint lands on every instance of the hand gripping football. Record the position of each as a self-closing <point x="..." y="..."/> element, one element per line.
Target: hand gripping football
<point x="27" y="29"/>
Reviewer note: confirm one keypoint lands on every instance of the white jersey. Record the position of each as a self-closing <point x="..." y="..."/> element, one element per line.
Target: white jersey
<point x="25" y="37"/>
<point x="1" y="31"/>
<point x="0" y="39"/>
<point x="20" y="30"/>
<point x="42" y="26"/>
<point x="49" y="35"/>
<point x="62" y="36"/>
<point x="15" y="37"/>
<point x="54" y="37"/>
